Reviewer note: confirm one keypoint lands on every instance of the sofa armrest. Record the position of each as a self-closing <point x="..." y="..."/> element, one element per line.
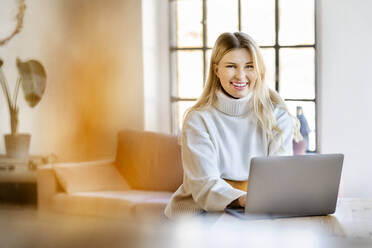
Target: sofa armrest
<point x="47" y="186"/>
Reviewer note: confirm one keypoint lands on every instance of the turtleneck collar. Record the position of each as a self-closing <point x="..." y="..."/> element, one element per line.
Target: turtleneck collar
<point x="232" y="106"/>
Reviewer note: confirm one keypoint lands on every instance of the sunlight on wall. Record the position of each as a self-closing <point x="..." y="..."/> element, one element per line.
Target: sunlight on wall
<point x="93" y="57"/>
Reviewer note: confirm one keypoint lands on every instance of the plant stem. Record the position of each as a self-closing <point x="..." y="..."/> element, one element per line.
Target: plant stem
<point x="4" y="85"/>
<point x="14" y="115"/>
<point x="14" y="121"/>
<point x="13" y="109"/>
<point x="16" y="90"/>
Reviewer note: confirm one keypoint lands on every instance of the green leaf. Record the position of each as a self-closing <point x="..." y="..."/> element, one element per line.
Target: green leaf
<point x="33" y="80"/>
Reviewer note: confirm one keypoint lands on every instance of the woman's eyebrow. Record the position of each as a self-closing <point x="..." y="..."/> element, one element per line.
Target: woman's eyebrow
<point x="232" y="63"/>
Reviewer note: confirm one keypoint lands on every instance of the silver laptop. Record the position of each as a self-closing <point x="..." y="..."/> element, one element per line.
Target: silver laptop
<point x="291" y="186"/>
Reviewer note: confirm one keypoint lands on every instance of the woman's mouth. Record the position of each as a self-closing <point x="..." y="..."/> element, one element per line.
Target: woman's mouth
<point x="239" y="85"/>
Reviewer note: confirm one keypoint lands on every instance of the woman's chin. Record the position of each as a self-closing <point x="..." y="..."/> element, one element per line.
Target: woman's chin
<point x="240" y="93"/>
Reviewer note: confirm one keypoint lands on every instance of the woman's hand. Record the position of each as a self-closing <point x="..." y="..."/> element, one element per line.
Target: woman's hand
<point x="241" y="200"/>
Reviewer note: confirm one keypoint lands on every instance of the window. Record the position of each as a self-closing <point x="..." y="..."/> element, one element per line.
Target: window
<point x="284" y="29"/>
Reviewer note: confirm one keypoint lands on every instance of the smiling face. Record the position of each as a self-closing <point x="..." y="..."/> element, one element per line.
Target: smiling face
<point x="236" y="72"/>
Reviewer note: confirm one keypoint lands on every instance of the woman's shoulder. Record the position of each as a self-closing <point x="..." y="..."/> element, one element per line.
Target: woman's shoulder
<point x="281" y="113"/>
<point x="199" y="114"/>
<point x="197" y="120"/>
<point x="279" y="110"/>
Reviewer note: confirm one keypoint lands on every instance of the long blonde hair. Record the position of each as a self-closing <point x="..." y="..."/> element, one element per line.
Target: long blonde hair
<point x="264" y="99"/>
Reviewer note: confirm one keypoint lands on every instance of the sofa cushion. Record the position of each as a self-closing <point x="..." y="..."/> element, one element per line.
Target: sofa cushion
<point x="97" y="176"/>
<point x="149" y="161"/>
<point x="124" y="205"/>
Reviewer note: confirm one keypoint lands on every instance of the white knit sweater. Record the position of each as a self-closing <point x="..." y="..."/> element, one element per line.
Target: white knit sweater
<point x="218" y="143"/>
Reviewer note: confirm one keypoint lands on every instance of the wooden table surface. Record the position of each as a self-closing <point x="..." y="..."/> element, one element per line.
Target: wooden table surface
<point x="353" y="218"/>
<point x="350" y="226"/>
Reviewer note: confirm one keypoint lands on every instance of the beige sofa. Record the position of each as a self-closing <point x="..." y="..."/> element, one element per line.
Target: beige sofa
<point x="149" y="162"/>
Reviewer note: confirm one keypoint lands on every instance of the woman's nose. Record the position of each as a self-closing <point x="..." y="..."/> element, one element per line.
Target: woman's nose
<point x="240" y="74"/>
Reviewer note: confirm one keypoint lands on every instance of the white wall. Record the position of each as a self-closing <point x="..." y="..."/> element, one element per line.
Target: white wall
<point x="92" y="53"/>
<point x="345" y="89"/>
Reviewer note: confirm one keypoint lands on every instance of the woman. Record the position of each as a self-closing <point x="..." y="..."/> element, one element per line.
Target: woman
<point x="236" y="118"/>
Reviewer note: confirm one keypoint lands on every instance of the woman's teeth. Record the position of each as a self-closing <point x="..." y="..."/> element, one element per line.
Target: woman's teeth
<point x="239" y="85"/>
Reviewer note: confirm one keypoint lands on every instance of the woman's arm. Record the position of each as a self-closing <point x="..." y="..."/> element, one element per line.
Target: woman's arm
<point x="201" y="174"/>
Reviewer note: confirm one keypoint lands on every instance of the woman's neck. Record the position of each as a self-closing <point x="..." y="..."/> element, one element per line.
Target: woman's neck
<point x="227" y="94"/>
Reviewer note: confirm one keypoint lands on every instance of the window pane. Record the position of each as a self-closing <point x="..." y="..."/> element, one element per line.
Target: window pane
<point x="222" y="16"/>
<point x="309" y="113"/>
<point x="258" y="20"/>
<point x="269" y="60"/>
<point x="190" y="73"/>
<point x="296" y="20"/>
<point x="297" y="79"/>
<point x="189" y="23"/>
<point x="179" y="109"/>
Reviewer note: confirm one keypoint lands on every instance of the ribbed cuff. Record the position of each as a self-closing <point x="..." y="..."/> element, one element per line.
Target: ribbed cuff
<point x="230" y="194"/>
<point x="178" y="210"/>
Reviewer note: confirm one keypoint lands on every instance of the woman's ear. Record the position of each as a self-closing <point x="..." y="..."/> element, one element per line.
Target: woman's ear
<point x="215" y="69"/>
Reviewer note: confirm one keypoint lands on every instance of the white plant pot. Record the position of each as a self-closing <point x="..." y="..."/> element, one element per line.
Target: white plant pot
<point x="17" y="146"/>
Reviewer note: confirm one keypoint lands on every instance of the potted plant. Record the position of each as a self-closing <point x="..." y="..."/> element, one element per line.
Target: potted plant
<point x="32" y="77"/>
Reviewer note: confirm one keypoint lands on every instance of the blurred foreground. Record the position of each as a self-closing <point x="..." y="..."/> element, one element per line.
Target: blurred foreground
<point x="25" y="227"/>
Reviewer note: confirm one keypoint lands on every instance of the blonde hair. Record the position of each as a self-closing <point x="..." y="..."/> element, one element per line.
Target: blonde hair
<point x="264" y="99"/>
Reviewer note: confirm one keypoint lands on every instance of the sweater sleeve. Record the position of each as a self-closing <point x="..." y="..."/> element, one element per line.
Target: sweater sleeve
<point x="282" y="144"/>
<point x="201" y="174"/>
